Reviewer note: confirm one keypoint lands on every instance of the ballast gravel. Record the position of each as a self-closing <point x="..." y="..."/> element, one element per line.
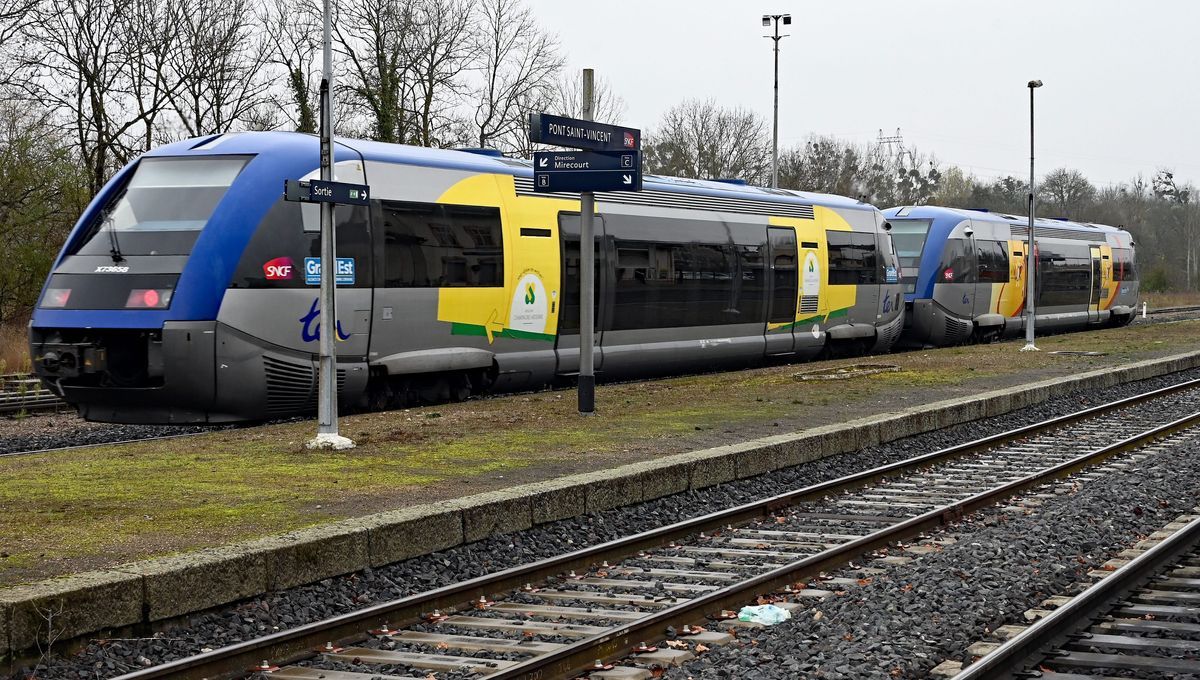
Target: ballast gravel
<point x="785" y="650"/>
<point x="904" y="621"/>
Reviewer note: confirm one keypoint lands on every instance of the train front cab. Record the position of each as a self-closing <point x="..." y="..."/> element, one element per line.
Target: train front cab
<point x="965" y="275"/>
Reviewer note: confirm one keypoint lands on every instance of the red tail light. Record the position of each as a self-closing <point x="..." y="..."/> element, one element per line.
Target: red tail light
<point x="149" y="298"/>
<point x="56" y="298"/>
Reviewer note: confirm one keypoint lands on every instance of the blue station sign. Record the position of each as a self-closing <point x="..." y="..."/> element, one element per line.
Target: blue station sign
<point x="587" y="171"/>
<point x="318" y="191"/>
<point x="582" y="134"/>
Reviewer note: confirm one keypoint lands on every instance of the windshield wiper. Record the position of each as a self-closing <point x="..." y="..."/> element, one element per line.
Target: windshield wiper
<point x="114" y="246"/>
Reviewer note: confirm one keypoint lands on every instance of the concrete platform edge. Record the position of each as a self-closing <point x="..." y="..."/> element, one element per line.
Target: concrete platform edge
<point x="158" y="589"/>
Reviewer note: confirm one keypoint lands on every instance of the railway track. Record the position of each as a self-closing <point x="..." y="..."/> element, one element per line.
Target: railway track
<point x="614" y="603"/>
<point x="1142" y="618"/>
<point x="23" y="393"/>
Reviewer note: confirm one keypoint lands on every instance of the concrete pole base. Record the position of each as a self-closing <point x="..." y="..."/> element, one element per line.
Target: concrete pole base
<point x="329" y="442"/>
<point x="1030" y="348"/>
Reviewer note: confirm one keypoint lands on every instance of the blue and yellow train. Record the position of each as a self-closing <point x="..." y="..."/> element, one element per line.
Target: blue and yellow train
<point x="964" y="274"/>
<point x="187" y="291"/>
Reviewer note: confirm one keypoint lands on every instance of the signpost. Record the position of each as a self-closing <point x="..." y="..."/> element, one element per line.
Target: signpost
<point x="318" y="191"/>
<point x="582" y="134"/>
<point x="327" y="193"/>
<point x="612" y="162"/>
<point x="587" y="171"/>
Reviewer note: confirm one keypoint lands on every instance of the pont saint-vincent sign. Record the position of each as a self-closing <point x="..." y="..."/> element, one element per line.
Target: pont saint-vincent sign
<point x="612" y="160"/>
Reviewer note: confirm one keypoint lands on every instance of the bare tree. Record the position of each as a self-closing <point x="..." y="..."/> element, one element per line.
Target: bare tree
<point x="291" y="28"/>
<point x="14" y="16"/>
<point x="149" y="41"/>
<point x="1179" y="200"/>
<point x="1066" y="191"/>
<point x="700" y="139"/>
<point x="824" y="165"/>
<point x="220" y="65"/>
<point x="567" y="99"/>
<point x="99" y="65"/>
<point x="517" y="66"/>
<point x="375" y="37"/>
<point x="442" y="50"/>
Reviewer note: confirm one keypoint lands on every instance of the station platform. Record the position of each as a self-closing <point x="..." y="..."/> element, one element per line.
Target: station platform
<point x="122" y="535"/>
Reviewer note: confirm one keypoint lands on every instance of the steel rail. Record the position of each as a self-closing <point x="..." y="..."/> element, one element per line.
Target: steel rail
<point x="1032" y="644"/>
<point x="616" y="642"/>
<point x="303" y="641"/>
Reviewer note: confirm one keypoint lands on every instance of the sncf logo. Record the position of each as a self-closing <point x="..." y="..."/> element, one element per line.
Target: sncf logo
<point x="279" y="269"/>
<point x="630" y="142"/>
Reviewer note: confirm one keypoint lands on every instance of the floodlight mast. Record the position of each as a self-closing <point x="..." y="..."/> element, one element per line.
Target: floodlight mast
<point x="767" y="20"/>
<point x="1030" y="257"/>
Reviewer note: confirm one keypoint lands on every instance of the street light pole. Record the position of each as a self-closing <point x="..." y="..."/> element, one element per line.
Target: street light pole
<point x="1030" y="269"/>
<point x="327" y="425"/>
<point x="767" y="21"/>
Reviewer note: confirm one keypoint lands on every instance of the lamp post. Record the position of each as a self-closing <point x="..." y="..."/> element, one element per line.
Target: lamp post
<point x="767" y="21"/>
<point x="1030" y="269"/>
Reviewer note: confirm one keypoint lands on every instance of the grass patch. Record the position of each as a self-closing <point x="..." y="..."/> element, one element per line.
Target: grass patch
<point x="106" y="505"/>
<point x="1170" y="298"/>
<point x="14" y="348"/>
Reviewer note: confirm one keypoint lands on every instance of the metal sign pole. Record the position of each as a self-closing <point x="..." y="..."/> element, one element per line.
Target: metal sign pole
<point x="327" y="425"/>
<point x="587" y="283"/>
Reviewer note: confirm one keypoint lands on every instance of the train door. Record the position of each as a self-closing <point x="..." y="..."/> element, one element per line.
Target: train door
<point x="1099" y="289"/>
<point x="784" y="276"/>
<point x="566" y="344"/>
<point x="1012" y="303"/>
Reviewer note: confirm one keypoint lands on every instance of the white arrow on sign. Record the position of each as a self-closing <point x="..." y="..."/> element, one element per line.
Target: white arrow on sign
<point x="543" y="162"/>
<point x="626" y="179"/>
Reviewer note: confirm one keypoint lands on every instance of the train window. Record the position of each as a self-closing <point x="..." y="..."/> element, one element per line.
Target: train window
<point x="750" y="284"/>
<point x="992" y="259"/>
<point x="666" y="285"/>
<point x="909" y="238"/>
<point x="431" y="245"/>
<point x="1123" y="268"/>
<point x="276" y="254"/>
<point x="957" y="264"/>
<point x="852" y="258"/>
<point x="164" y="206"/>
<point x="1064" y="273"/>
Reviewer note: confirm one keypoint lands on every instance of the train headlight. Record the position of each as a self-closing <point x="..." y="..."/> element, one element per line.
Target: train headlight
<point x="149" y="298"/>
<point x="56" y="298"/>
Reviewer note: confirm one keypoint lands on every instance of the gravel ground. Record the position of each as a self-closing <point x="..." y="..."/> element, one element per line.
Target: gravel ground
<point x="908" y="619"/>
<point x="333" y="596"/>
<point x="49" y="430"/>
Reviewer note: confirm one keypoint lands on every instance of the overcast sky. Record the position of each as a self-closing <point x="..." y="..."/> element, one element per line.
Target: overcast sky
<point x="1121" y="95"/>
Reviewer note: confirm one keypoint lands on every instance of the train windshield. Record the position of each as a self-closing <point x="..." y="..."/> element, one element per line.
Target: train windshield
<point x="908" y="237"/>
<point x="164" y="206"/>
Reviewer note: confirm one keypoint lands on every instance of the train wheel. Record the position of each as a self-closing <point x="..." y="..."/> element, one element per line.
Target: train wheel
<point x="459" y="386"/>
<point x="379" y="395"/>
